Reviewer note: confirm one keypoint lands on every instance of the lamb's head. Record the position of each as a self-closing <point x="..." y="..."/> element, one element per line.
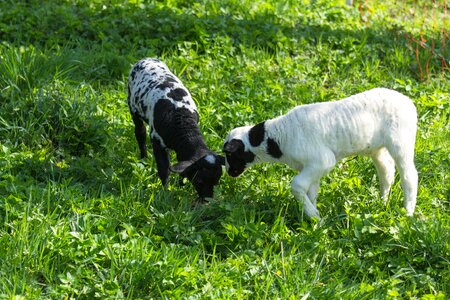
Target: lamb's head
<point x="237" y="151"/>
<point x="203" y="173"/>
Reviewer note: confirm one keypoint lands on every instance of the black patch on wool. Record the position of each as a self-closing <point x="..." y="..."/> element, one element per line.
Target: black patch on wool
<point x="167" y="84"/>
<point x="139" y="67"/>
<point x="163" y="117"/>
<point x="273" y="149"/>
<point x="142" y="95"/>
<point x="177" y="94"/>
<point x="256" y="134"/>
<point x="170" y="78"/>
<point x="133" y="74"/>
<point x="177" y="127"/>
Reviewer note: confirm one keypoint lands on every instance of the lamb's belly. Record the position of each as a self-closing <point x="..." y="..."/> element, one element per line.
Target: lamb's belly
<point x="360" y="144"/>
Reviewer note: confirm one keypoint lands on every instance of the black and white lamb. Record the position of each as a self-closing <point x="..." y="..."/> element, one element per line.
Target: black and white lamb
<point x="379" y="123"/>
<point x="157" y="97"/>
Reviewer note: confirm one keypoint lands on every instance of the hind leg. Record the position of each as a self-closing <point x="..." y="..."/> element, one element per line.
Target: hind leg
<point x="141" y="134"/>
<point x="404" y="160"/>
<point x="385" y="166"/>
<point x="409" y="181"/>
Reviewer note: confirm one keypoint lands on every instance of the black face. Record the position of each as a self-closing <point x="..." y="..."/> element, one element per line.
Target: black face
<point x="236" y="156"/>
<point x="204" y="173"/>
<point x="204" y="179"/>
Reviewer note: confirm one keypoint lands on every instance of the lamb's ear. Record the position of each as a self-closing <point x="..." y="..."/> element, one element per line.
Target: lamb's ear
<point x="233" y="146"/>
<point x="181" y="166"/>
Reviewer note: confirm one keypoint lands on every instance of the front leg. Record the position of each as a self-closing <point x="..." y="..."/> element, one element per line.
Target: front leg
<point x="300" y="187"/>
<point x="313" y="192"/>
<point x="162" y="160"/>
<point x="305" y="185"/>
<point x="141" y="134"/>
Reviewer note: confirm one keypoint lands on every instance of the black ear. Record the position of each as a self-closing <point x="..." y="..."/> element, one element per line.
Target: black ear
<point x="181" y="166"/>
<point x="233" y="146"/>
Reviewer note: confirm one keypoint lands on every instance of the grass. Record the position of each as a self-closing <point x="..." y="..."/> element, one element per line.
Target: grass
<point x="82" y="217"/>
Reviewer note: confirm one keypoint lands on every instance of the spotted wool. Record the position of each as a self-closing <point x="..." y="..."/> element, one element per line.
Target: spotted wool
<point x="157" y="97"/>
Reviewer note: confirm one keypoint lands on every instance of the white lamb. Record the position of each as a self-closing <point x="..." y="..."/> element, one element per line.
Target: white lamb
<point x="380" y="123"/>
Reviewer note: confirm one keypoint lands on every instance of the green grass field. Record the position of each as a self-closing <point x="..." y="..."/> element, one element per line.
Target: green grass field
<point x="81" y="217"/>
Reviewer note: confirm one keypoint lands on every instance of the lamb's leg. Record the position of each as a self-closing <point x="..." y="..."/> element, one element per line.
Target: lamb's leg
<point x="385" y="166"/>
<point x="403" y="154"/>
<point x="162" y="161"/>
<point x="313" y="192"/>
<point x="305" y="185"/>
<point x="409" y="181"/>
<point x="141" y="134"/>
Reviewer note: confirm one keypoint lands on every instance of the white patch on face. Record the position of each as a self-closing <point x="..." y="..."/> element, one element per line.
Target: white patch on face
<point x="210" y="158"/>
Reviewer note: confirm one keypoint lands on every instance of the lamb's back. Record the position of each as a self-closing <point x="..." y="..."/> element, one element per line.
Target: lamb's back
<point x="151" y="81"/>
<point x="357" y="124"/>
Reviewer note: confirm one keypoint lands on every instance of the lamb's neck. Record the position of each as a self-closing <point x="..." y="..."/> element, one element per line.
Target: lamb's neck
<point x="191" y="148"/>
<point x="277" y="129"/>
<point x="275" y="137"/>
